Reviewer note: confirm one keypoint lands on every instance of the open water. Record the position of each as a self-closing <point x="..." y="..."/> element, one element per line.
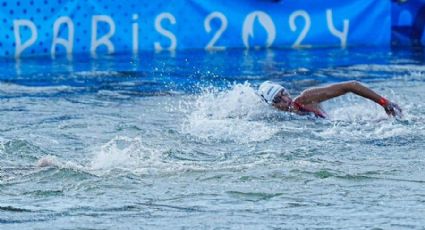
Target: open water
<point x="181" y="140"/>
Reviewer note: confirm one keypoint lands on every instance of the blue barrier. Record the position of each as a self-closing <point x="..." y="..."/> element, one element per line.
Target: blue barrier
<point x="408" y="23"/>
<point x="53" y="27"/>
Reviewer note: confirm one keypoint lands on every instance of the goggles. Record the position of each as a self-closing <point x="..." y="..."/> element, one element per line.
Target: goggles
<point x="278" y="98"/>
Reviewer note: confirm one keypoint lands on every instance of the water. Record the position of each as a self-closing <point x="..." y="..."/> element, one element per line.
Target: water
<point x="181" y="140"/>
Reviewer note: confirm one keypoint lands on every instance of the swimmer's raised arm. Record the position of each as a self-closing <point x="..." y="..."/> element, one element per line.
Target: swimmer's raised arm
<point x="320" y="94"/>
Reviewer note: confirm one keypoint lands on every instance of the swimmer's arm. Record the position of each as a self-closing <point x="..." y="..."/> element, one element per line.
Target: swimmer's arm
<point x="320" y="94"/>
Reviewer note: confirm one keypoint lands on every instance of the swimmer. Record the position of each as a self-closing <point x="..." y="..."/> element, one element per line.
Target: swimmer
<point x="308" y="102"/>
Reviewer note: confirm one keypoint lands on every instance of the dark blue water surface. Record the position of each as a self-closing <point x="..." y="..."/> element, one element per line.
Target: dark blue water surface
<point x="181" y="140"/>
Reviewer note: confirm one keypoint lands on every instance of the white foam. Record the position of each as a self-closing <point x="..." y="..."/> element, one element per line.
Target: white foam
<point x="362" y="120"/>
<point x="53" y="161"/>
<point x="47" y="161"/>
<point x="126" y="153"/>
<point x="356" y="112"/>
<point x="134" y="155"/>
<point x="230" y="115"/>
<point x="123" y="152"/>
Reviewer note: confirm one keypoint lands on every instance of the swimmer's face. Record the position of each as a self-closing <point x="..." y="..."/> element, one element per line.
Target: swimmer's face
<point x="282" y="100"/>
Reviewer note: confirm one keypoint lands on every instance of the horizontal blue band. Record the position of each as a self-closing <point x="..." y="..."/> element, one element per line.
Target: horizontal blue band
<point x="56" y="27"/>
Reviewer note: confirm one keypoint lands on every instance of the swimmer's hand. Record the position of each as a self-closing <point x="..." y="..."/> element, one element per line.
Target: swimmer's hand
<point x="393" y="110"/>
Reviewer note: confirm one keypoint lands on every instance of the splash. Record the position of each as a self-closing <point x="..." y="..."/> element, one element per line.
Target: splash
<point x="359" y="119"/>
<point x="357" y="112"/>
<point x="230" y="115"/>
<point x="124" y="152"/>
<point x="54" y="161"/>
<point x="47" y="161"/>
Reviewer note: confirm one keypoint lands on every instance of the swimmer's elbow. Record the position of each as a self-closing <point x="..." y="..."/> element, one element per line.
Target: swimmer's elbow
<point x="355" y="84"/>
<point x="350" y="86"/>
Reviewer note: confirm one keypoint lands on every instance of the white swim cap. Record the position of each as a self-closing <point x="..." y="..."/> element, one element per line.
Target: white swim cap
<point x="268" y="90"/>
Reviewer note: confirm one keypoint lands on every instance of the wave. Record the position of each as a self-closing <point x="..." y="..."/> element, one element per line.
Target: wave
<point x="388" y="67"/>
<point x="136" y="155"/>
<point x="13" y="90"/>
<point x="18" y="152"/>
